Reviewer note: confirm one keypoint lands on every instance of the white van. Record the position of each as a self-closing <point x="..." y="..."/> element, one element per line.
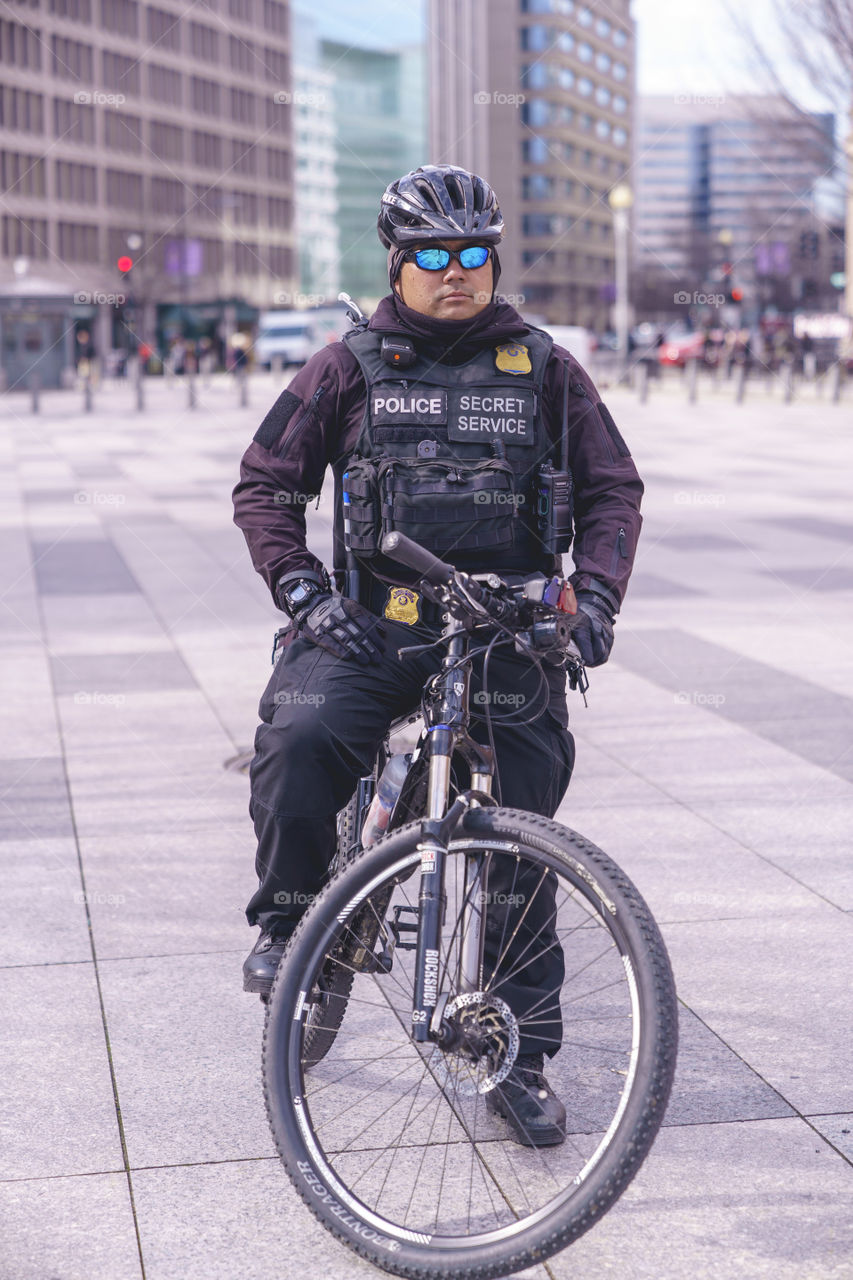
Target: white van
<point x="294" y="336"/>
<point x="574" y="338"/>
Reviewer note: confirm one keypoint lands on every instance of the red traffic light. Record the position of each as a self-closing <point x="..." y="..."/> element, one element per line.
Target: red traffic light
<point x="124" y="263"/>
<point x="737" y="295"/>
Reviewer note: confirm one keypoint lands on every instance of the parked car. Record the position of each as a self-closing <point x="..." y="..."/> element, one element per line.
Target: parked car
<point x="677" y="351"/>
<point x="294" y="336"/>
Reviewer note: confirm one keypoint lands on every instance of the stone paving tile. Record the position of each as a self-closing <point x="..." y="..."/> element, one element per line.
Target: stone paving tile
<point x="837" y="1129"/>
<point x="759" y="1201"/>
<point x="57" y="1113"/>
<point x="77" y="566"/>
<point x="43" y="892"/>
<point x="68" y="1229"/>
<point x="33" y="798"/>
<point x="777" y="990"/>
<point x="186" y="1043"/>
<point x="120" y="672"/>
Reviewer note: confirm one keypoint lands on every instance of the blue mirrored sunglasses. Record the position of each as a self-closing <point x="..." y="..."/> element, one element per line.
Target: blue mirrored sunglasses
<point x="471" y="257"/>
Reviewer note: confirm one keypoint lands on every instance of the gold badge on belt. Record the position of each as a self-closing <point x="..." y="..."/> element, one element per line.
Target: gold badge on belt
<point x="402" y="605"/>
<point x="512" y="357"/>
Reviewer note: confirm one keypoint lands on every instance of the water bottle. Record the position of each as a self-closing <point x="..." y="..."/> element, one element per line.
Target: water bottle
<point x="387" y="790"/>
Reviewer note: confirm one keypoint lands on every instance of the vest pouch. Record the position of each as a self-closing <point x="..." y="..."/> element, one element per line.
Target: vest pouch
<point x="448" y="506"/>
<point x="362" y="527"/>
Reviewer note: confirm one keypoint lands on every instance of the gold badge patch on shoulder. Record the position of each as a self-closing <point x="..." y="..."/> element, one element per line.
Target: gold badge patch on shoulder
<point x="512" y="357"/>
<point x="402" y="605"/>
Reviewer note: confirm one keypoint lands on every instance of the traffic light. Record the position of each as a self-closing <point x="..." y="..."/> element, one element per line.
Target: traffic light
<point x="125" y="264"/>
<point x="735" y="294"/>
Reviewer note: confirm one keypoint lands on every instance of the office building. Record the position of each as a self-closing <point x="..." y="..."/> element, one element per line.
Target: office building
<point x="536" y="95"/>
<point x="153" y="131"/>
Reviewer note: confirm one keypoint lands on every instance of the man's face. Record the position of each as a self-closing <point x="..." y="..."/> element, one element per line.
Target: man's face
<point x="452" y="294"/>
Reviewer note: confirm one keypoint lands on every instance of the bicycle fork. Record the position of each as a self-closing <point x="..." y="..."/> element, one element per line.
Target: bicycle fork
<point x="428" y="1001"/>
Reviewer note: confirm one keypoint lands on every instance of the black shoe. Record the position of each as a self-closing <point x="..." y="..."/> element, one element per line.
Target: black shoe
<point x="535" y="1116"/>
<point x="261" y="963"/>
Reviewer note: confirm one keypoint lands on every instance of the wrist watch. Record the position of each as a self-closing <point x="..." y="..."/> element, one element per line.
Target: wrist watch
<point x="296" y="593"/>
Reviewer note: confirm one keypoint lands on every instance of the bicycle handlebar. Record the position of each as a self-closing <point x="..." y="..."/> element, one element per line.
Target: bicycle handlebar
<point x="402" y="549"/>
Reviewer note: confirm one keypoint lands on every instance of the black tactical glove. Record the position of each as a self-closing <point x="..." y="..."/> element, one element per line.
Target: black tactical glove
<point x="593" y="633"/>
<point x="345" y="628"/>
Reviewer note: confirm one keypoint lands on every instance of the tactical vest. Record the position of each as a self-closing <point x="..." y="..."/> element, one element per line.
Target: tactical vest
<point x="449" y="455"/>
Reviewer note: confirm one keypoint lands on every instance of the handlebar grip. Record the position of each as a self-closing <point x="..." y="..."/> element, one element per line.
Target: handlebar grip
<point x="405" y="551"/>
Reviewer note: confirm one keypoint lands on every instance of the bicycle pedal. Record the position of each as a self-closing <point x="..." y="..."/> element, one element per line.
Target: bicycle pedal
<point x="398" y="927"/>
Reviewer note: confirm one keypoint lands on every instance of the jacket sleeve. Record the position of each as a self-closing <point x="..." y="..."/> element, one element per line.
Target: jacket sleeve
<point x="607" y="487"/>
<point x="282" y="470"/>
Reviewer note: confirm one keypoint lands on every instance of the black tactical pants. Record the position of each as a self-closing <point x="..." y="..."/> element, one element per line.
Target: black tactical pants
<point x="323" y="720"/>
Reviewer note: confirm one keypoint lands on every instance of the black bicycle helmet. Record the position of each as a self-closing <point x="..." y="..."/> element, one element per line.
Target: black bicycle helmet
<point x="439" y="202"/>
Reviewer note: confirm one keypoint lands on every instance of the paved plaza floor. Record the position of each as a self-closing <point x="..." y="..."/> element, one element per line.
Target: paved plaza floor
<point x="715" y="763"/>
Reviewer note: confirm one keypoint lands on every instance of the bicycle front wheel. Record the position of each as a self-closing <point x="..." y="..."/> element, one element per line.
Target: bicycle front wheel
<point x="393" y="1145"/>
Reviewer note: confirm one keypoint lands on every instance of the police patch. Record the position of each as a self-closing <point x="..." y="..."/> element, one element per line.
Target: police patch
<point x="503" y="414"/>
<point x="512" y="357"/>
<point x="395" y="405"/>
<point x="402" y="606"/>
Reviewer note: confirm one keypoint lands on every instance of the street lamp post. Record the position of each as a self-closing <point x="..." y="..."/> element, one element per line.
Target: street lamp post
<point x="621" y="199"/>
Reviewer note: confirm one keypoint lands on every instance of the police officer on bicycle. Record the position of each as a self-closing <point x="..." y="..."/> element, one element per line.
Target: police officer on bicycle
<point x="446" y="417"/>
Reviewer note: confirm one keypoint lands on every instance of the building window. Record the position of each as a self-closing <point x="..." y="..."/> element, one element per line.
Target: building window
<point x="76" y="10"/>
<point x="243" y="56"/>
<point x="275" y="17"/>
<point x="73" y="122"/>
<point x="166" y="140"/>
<point x="280" y="259"/>
<point x="602" y="95"/>
<point x="204" y="96"/>
<point x="24" y="237"/>
<point x="620" y="104"/>
<point x="279" y="212"/>
<point x="213" y="256"/>
<point x="278" y="164"/>
<point x="602" y="28"/>
<point x="77" y="182"/>
<point x="534" y="77"/>
<point x="244" y="157"/>
<point x="78" y="242"/>
<point x="242" y="106"/>
<point x="537" y="186"/>
<point x="21" y="175"/>
<point x="276" y="115"/>
<point x="620" y="71"/>
<point x="20" y="46"/>
<point x="164" y="29"/>
<point x="585" y="17"/>
<point x="541" y="224"/>
<point x="20" y="109"/>
<point x="276" y="66"/>
<point x="535" y="150"/>
<point x="536" y="38"/>
<point x="124" y="190"/>
<point x="120" y="73"/>
<point x="71" y="60"/>
<point x="122" y="132"/>
<point x="620" y="38"/>
<point x="585" y="52"/>
<point x="620" y="137"/>
<point x="165" y="85"/>
<point x="120" y="16"/>
<point x="206" y="149"/>
<point x="584" y="86"/>
<point x="204" y="42"/>
<point x="168" y="195"/>
<point x="242" y="10"/>
<point x="565" y="42"/>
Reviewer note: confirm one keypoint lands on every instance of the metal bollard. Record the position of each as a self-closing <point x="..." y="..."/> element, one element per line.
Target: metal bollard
<point x="243" y="383"/>
<point x="643" y="381"/>
<point x="276" y="366"/>
<point x="34" y="390"/>
<point x="788" y="382"/>
<point x="140" y="386"/>
<point x="837" y="381"/>
<point x="740" y="384"/>
<point x="87" y="394"/>
<point x="191" y="396"/>
<point x="692" y="379"/>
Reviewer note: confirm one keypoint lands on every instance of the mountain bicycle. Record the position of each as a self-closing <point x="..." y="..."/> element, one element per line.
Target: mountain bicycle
<point x="395" y="1010"/>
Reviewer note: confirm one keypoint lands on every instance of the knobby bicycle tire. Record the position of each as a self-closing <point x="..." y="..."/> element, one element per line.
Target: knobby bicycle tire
<point x="614" y="1070"/>
<point x="330" y="998"/>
